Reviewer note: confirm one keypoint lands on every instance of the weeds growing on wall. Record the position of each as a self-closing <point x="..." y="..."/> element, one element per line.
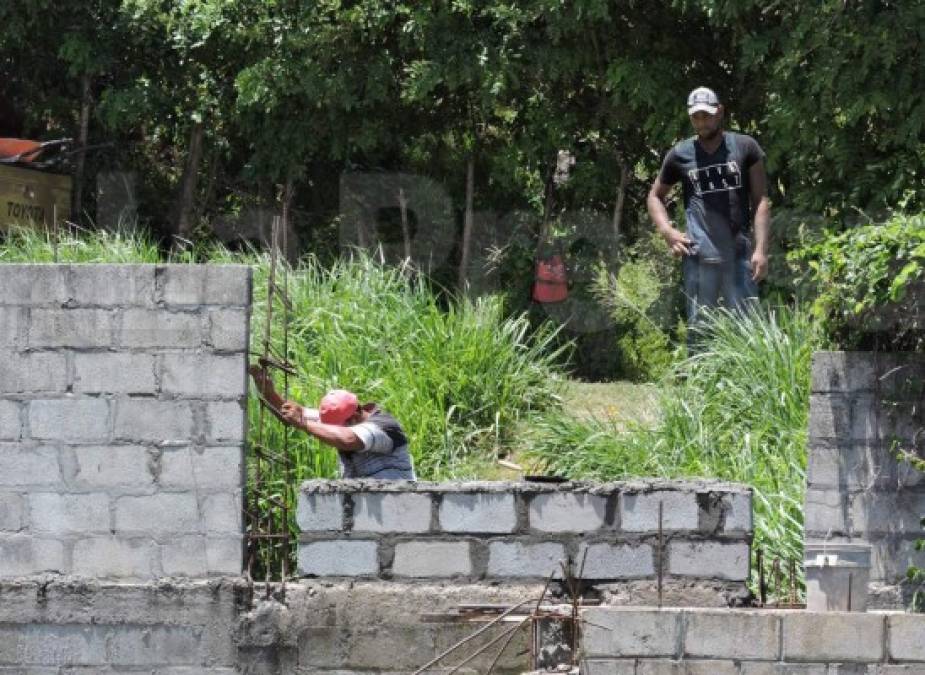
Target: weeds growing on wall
<point x="737" y="411"/>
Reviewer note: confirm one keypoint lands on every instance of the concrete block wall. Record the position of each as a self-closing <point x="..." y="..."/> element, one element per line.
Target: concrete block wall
<point x="122" y="420"/>
<point x="648" y="641"/>
<point x="520" y="531"/>
<point x="863" y="407"/>
<point x="64" y="626"/>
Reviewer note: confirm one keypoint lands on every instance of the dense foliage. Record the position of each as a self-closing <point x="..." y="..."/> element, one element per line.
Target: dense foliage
<point x="217" y="104"/>
<point x="868" y="284"/>
<point x="738" y="411"/>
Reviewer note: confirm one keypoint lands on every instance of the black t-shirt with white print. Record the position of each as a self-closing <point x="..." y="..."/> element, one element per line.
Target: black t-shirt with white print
<point x="716" y="191"/>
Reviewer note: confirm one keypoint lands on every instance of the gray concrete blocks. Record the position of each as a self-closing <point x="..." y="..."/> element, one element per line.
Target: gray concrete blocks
<point x="160" y="513"/>
<point x="349" y="558"/>
<point x="736" y="635"/>
<point x="709" y="559"/>
<point x="114" y="373"/>
<point x="53" y="513"/>
<point x="639" y="512"/>
<point x="474" y="512"/>
<point x="320" y="512"/>
<point x="519" y="559"/>
<point x="563" y="512"/>
<point x="121" y="417"/>
<point x="10" y="421"/>
<point x="504" y="531"/>
<point x="864" y="406"/>
<point x="70" y="419"/>
<point x="148" y="328"/>
<point x="423" y="559"/>
<point x="616" y="561"/>
<point x="189" y="285"/>
<point x="906" y="638"/>
<point x="391" y="512"/>
<point x="841" y="637"/>
<point x="639" y="632"/>
<point x="765" y="642"/>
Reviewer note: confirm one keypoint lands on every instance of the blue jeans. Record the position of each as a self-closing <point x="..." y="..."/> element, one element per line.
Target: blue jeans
<point x="707" y="282"/>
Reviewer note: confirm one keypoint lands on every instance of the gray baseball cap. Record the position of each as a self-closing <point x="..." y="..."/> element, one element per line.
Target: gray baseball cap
<point x="703" y="99"/>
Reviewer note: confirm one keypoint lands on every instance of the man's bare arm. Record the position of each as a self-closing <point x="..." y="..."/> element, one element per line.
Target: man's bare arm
<point x="677" y="241"/>
<point x="758" y="180"/>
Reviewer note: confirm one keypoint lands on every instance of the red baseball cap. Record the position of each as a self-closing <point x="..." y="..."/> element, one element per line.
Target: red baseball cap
<point x="338" y="406"/>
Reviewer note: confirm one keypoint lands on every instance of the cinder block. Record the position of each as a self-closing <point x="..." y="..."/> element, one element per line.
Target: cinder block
<point x="159" y="513"/>
<point x="33" y="284"/>
<point x="63" y="513"/>
<point x="843" y="372"/>
<point x="320" y="512"/>
<point x="222" y="513"/>
<point x="834" y="636"/>
<point x="41" y="372"/>
<point x="227" y="421"/>
<point x="201" y="555"/>
<point x="146" y="328"/>
<point x="567" y="512"/>
<point x="21" y="466"/>
<point x="202" y="468"/>
<point x="885" y="513"/>
<point x="23" y="555"/>
<point x="907" y="637"/>
<point x="709" y="560"/>
<point x="10" y="425"/>
<point x="432" y="559"/>
<point x="12" y="512"/>
<point x="203" y="375"/>
<point x="391" y="512"/>
<point x="229" y="330"/>
<point x="666" y="667"/>
<point x="732" y="635"/>
<point x="114" y="373"/>
<point x="477" y="512"/>
<point x="70" y="419"/>
<point x="153" y="421"/>
<point x="61" y="645"/>
<point x="113" y="285"/>
<point x="764" y="668"/>
<point x="738" y="508"/>
<point x="227" y="285"/>
<point x="891" y="556"/>
<point x="611" y="632"/>
<point x="824" y="512"/>
<point x="616" y="561"/>
<point x="339" y="558"/>
<point x="113" y="466"/>
<point x="115" y="558"/>
<point x="521" y="559"/>
<point x="156" y="646"/>
<point x="14" y="327"/>
<point x="71" y="328"/>
<point x="399" y="648"/>
<point x="608" y="667"/>
<point x="639" y="512"/>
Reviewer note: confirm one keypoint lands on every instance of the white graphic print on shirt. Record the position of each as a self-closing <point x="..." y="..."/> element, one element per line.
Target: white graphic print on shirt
<point x="716" y="178"/>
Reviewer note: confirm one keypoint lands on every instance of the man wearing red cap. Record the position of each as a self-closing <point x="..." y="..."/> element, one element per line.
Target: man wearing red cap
<point x="369" y="441"/>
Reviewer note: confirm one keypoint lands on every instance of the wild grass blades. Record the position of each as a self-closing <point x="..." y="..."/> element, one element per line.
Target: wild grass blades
<point x="737" y="411"/>
<point x="458" y="376"/>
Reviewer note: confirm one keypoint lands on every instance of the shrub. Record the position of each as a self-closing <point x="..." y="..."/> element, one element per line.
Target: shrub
<point x="643" y="299"/>
<point x="869" y="284"/>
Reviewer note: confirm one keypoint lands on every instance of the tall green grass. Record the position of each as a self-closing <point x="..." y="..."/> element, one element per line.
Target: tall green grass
<point x="737" y="411"/>
<point x="458" y="376"/>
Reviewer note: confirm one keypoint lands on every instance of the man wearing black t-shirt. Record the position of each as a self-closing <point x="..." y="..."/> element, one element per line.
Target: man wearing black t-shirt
<point x="725" y="243"/>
